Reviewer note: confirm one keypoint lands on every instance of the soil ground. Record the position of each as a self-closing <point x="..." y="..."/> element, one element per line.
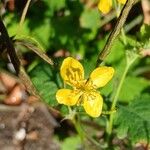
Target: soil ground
<point x="26" y="127"/>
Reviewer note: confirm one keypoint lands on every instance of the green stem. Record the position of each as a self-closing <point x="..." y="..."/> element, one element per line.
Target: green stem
<point x="73" y="116"/>
<point x="94" y="142"/>
<point x="119" y="87"/>
<point x="118" y="11"/>
<point x="83" y="134"/>
<point x="130" y="58"/>
<point x="81" y="131"/>
<point x="108" y="112"/>
<point x="23" y="17"/>
<point x="110" y="124"/>
<point x="123" y="36"/>
<point x="116" y="8"/>
<point x="78" y="128"/>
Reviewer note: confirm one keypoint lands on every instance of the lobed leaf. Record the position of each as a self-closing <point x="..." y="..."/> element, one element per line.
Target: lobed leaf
<point x="134" y="120"/>
<point x="132" y="88"/>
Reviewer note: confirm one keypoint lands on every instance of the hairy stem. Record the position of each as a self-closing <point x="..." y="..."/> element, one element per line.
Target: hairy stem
<point x="78" y="128"/>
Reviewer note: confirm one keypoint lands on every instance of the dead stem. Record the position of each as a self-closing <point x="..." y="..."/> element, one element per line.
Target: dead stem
<point x="114" y="34"/>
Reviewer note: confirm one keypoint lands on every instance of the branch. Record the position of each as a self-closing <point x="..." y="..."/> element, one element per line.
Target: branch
<point x="16" y="61"/>
<point x="120" y="22"/>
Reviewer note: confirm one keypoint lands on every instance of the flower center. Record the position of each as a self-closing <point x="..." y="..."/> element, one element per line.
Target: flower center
<point x="85" y="86"/>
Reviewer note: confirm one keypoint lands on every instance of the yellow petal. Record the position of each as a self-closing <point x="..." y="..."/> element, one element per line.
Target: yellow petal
<point x="92" y="103"/>
<point x="105" y="6"/>
<point x="71" y="71"/>
<point x="101" y="76"/>
<point x="67" y="97"/>
<point x="122" y="1"/>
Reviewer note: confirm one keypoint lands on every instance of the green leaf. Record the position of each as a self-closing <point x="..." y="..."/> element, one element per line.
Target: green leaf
<point x="12" y="26"/>
<point x="117" y="53"/>
<point x="90" y="19"/>
<point x="42" y="33"/>
<point x="134" y="120"/>
<point x="56" y="5"/>
<point x="47" y="82"/>
<point x="132" y="88"/>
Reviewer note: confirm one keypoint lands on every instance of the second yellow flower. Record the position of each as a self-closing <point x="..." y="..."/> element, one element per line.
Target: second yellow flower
<point x="105" y="5"/>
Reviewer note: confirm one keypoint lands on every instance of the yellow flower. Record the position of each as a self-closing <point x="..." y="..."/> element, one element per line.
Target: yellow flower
<point x="84" y="91"/>
<point x="105" y="5"/>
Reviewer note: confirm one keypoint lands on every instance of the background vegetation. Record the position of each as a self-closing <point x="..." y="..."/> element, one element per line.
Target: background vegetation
<point x="62" y="28"/>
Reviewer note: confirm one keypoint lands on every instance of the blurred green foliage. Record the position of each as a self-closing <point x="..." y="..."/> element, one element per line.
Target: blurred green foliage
<point x="64" y="24"/>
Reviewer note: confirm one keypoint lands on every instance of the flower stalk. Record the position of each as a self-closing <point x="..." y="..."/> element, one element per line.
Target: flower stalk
<point x="131" y="56"/>
<point x="78" y="128"/>
<point x="110" y="124"/>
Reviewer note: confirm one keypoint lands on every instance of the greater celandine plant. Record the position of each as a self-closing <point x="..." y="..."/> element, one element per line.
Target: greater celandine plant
<point x="84" y="91"/>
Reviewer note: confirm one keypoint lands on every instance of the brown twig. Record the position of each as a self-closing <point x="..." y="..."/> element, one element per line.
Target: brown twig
<point x="120" y="22"/>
